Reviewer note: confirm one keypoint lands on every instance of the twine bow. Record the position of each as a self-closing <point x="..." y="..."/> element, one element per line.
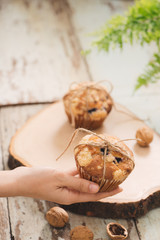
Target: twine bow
<point x="85" y="87"/>
<point x="104" y="144"/>
<point x="94" y="85"/>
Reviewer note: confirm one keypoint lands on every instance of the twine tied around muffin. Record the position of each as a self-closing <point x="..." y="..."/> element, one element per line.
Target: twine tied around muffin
<point x="95" y="85"/>
<point x="105" y="144"/>
<point x="86" y="86"/>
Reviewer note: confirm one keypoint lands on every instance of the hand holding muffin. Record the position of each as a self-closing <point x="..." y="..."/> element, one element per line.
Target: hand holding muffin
<point x="49" y="184"/>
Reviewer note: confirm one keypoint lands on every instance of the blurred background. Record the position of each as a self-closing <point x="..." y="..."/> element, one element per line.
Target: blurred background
<point x="40" y="54"/>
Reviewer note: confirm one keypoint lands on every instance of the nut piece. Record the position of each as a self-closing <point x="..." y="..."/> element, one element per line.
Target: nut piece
<point x="57" y="217"/>
<point x="117" y="231"/>
<point x="81" y="233"/>
<point x="144" y="136"/>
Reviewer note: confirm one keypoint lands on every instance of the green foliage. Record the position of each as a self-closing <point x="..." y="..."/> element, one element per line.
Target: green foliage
<point x="152" y="73"/>
<point x="140" y="24"/>
<point x="86" y="52"/>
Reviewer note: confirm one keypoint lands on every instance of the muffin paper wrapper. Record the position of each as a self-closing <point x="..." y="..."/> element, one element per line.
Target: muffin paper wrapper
<point x="106" y="186"/>
<point x="80" y="121"/>
<point x="109" y="185"/>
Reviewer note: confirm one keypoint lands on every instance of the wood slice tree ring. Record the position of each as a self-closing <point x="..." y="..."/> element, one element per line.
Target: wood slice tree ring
<point x="43" y="138"/>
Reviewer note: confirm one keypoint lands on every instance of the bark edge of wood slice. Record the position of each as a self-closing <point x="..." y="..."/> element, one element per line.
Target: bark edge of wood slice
<point x="45" y="135"/>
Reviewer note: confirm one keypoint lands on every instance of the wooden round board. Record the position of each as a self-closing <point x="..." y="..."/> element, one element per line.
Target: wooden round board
<point x="44" y="137"/>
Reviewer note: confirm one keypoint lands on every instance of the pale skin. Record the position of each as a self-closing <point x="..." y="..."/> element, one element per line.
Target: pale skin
<point x="50" y="184"/>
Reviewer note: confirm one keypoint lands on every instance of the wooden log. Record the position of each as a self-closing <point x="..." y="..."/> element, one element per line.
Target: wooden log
<point x="117" y="210"/>
<point x="47" y="130"/>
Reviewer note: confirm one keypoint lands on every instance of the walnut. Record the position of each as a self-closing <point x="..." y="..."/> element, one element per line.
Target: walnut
<point x="144" y="136"/>
<point x="57" y="217"/>
<point x="117" y="231"/>
<point x="81" y="233"/>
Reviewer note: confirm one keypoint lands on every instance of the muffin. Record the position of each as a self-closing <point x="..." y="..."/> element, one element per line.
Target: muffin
<point x="104" y="160"/>
<point x="87" y="105"/>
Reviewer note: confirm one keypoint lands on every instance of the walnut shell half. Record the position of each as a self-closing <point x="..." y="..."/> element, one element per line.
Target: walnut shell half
<point x="57" y="217"/>
<point x="117" y="231"/>
<point x="144" y="136"/>
<point x="81" y="233"/>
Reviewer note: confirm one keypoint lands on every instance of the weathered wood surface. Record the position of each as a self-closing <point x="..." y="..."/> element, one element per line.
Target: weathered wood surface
<point x="40" y="45"/>
<point x="40" y="49"/>
<point x="149" y="225"/>
<point x="4" y="218"/>
<point x="27" y="216"/>
<point x="39" y="64"/>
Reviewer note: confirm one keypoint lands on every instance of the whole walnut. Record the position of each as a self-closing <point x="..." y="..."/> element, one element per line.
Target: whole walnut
<point x="57" y="217"/>
<point x="81" y="233"/>
<point x="144" y="136"/>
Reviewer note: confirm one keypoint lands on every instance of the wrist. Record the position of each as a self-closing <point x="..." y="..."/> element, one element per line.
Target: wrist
<point x="8" y="181"/>
<point x="22" y="185"/>
<point x="15" y="182"/>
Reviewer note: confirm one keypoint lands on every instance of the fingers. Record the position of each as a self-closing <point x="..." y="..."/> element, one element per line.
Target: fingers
<point x="111" y="193"/>
<point x="79" y="184"/>
<point x="98" y="196"/>
<point x="76" y="197"/>
<point x="80" y="190"/>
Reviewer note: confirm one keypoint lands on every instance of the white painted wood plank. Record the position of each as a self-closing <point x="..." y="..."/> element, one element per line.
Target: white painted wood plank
<point x="120" y="67"/>
<point x="47" y="46"/>
<point x="27" y="215"/>
<point x="40" y="54"/>
<point x="28" y="219"/>
<point x="12" y="118"/>
<point x="98" y="225"/>
<point x="149" y="225"/>
<point x="4" y="218"/>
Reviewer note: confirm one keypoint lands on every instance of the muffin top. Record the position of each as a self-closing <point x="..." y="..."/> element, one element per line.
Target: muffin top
<point x="89" y="100"/>
<point x="94" y="153"/>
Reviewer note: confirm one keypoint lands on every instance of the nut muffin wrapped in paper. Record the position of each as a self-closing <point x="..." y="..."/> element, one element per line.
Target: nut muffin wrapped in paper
<point x="87" y="105"/>
<point x="105" y="160"/>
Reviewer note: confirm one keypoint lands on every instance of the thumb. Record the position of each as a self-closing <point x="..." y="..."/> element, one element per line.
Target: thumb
<point x="80" y="184"/>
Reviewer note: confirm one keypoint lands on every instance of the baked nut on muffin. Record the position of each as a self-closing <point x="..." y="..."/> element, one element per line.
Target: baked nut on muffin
<point x="104" y="160"/>
<point x="87" y="105"/>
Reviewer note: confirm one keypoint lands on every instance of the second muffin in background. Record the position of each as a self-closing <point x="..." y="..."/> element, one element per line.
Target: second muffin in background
<point x="87" y="105"/>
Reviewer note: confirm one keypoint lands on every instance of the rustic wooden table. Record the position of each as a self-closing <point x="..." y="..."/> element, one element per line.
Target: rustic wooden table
<point x="40" y="56"/>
